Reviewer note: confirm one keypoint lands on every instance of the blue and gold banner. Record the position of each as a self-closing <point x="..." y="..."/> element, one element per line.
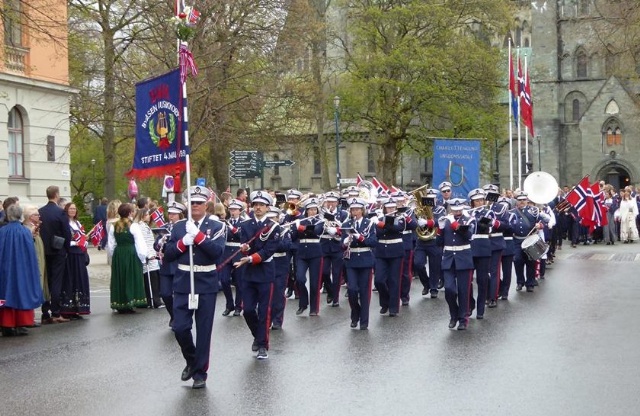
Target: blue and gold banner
<point x="160" y="146"/>
<point x="457" y="161"/>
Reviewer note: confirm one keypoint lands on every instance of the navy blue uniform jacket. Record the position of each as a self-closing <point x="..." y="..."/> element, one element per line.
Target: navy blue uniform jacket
<point x="207" y="251"/>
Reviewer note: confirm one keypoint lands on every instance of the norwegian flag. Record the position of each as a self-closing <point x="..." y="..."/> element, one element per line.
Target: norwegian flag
<point x="513" y="92"/>
<point x="599" y="210"/>
<point x="158" y="217"/>
<point x="526" y="105"/>
<point x="80" y="238"/>
<point x="358" y="179"/>
<point x="214" y="196"/>
<point x="581" y="199"/>
<point x="97" y="233"/>
<point x="194" y="16"/>
<point x="380" y="187"/>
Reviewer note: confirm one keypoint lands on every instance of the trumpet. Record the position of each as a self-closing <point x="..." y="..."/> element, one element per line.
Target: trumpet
<point x="292" y="207"/>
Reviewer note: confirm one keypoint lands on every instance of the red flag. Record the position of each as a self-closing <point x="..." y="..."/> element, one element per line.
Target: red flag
<point x="358" y="179"/>
<point x="599" y="210"/>
<point x="96" y="234"/>
<point x="80" y="239"/>
<point x="580" y="197"/>
<point x="193" y="17"/>
<point x="513" y="91"/>
<point x="213" y="197"/>
<point x="158" y="217"/>
<point x="380" y="187"/>
<point x="526" y="105"/>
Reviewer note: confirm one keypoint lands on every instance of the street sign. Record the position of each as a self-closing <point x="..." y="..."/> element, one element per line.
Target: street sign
<point x="201" y="182"/>
<point x="348" y="181"/>
<point x="276" y="163"/>
<point x="245" y="164"/>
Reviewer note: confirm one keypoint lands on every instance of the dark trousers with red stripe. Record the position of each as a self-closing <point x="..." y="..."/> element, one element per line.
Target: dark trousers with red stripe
<point x="332" y="275"/>
<point x="433" y="254"/>
<point x="256" y="303"/>
<point x="309" y="297"/>
<point x="196" y="356"/>
<point x="278" y="300"/>
<point x="226" y="274"/>
<point x="457" y="287"/>
<point x="525" y="268"/>
<point x="405" y="284"/>
<point x="481" y="265"/>
<point x="507" y="271"/>
<point x="387" y="280"/>
<point x="494" y="275"/>
<point x="359" y="290"/>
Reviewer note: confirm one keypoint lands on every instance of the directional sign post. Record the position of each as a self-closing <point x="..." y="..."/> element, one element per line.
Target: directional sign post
<point x="278" y="163"/>
<point x="245" y="164"/>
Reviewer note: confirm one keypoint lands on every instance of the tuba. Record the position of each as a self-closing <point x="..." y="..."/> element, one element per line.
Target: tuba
<point x="368" y="192"/>
<point x="541" y="187"/>
<point x="423" y="211"/>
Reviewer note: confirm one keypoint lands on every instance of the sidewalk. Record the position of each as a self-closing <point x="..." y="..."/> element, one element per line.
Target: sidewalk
<point x="600" y="252"/>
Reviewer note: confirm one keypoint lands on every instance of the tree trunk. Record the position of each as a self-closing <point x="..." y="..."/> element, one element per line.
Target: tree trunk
<point x="318" y="43"/>
<point x="389" y="160"/>
<point x="108" y="137"/>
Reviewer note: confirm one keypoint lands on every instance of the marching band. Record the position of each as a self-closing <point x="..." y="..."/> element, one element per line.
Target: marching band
<point x="356" y="239"/>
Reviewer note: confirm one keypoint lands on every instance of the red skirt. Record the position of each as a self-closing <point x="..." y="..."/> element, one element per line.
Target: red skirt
<point x="14" y="318"/>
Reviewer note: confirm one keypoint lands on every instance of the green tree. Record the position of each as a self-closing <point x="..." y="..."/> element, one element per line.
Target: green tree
<point x="104" y="67"/>
<point x="421" y="68"/>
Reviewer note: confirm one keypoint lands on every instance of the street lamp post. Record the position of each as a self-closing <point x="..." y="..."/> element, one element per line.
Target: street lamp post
<point x="336" y="107"/>
<point x="93" y="185"/>
<point x="539" y="156"/>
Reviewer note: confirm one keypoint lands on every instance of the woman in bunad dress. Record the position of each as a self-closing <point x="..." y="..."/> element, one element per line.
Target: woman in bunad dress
<point x="128" y="251"/>
<point x="309" y="257"/>
<point x="75" y="298"/>
<point x="20" y="290"/>
<point x="151" y="267"/>
<point x="112" y="217"/>
<point x="628" y="214"/>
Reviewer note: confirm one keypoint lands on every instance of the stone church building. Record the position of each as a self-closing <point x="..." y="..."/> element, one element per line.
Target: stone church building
<point x="586" y="110"/>
<point x="585" y="94"/>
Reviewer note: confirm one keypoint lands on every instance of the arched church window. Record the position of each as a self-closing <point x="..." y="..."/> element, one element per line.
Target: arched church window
<point x="581" y="64"/>
<point x="613" y="133"/>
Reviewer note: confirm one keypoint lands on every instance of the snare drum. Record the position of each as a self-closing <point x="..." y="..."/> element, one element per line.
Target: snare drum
<point x="534" y="247"/>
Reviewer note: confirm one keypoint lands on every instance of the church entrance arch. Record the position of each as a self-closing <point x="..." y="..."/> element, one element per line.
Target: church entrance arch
<point x="615" y="174"/>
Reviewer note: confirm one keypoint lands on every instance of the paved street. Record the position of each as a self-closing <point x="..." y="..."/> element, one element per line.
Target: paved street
<point x="570" y="348"/>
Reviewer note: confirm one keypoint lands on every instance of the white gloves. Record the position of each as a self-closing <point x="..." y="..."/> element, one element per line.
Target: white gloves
<point x="187" y="240"/>
<point x="192" y="229"/>
<point x="332" y="230"/>
<point x="422" y="222"/>
<point x="356" y="236"/>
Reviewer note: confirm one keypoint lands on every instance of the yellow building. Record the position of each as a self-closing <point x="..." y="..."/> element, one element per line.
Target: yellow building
<point x="34" y="100"/>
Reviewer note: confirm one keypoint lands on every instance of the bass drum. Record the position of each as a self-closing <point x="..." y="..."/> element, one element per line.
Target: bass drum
<point x="534" y="247"/>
